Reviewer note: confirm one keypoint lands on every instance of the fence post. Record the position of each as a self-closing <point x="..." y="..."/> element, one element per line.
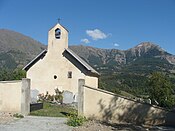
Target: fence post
<point x="81" y="83"/>
<point x="25" y="96"/>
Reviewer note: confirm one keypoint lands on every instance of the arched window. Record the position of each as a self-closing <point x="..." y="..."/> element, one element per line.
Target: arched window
<point x="57" y="33"/>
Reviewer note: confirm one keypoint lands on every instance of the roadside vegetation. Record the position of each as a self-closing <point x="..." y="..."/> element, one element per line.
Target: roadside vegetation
<point x="75" y="120"/>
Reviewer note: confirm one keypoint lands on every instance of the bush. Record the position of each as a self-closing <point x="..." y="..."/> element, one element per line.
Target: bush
<point x="7" y="74"/>
<point x="18" y="115"/>
<point x="75" y="120"/>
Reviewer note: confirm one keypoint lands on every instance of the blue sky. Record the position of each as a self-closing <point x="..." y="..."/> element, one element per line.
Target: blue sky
<point x="120" y="24"/>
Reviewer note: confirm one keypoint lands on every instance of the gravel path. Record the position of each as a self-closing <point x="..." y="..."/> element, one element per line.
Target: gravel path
<point x="38" y="123"/>
<point x="97" y="126"/>
<point x="34" y="123"/>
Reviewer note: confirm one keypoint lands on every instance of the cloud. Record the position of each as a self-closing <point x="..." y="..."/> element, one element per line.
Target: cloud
<point x="115" y="44"/>
<point x="96" y="34"/>
<point x="85" y="41"/>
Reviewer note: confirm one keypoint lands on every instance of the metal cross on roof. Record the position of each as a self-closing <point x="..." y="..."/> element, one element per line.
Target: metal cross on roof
<point x="59" y="20"/>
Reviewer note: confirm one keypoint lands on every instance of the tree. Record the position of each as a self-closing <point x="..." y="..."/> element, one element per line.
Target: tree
<point x="18" y="74"/>
<point x="6" y="74"/>
<point x="161" y="90"/>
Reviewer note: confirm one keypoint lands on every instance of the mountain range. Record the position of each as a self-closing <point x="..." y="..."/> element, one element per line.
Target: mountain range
<point x="145" y="53"/>
<point x="124" y="69"/>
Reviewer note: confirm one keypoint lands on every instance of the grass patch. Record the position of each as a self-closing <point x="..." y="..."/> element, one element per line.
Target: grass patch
<point x="53" y="110"/>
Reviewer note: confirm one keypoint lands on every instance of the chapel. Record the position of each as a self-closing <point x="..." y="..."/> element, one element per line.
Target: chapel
<point x="58" y="66"/>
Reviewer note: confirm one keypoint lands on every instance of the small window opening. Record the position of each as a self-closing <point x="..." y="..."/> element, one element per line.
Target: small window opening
<point x="69" y="74"/>
<point x="57" y="33"/>
<point x="55" y="77"/>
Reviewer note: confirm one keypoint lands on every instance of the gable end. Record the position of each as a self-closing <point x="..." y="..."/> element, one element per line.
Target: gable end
<point x="35" y="60"/>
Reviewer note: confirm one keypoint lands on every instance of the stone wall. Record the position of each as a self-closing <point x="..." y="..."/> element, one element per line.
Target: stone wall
<point x="109" y="107"/>
<point x="15" y="96"/>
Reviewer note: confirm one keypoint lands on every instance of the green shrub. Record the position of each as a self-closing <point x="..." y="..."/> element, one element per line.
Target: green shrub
<point x="18" y="115"/>
<point x="75" y="120"/>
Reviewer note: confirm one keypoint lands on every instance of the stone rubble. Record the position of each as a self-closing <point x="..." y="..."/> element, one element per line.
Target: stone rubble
<point x="6" y="117"/>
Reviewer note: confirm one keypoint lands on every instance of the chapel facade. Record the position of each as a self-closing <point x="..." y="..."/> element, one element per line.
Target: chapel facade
<point x="58" y="66"/>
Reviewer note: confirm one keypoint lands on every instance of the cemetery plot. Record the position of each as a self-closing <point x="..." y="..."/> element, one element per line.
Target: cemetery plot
<point x="54" y="110"/>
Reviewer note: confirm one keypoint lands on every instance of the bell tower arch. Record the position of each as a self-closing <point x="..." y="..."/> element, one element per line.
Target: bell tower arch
<point x="57" y="39"/>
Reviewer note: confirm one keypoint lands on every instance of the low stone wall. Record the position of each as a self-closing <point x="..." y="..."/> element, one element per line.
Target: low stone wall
<point x="15" y="96"/>
<point x="108" y="107"/>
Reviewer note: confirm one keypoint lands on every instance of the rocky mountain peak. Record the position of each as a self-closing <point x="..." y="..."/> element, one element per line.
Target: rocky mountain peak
<point x="145" y="48"/>
<point x="148" y="45"/>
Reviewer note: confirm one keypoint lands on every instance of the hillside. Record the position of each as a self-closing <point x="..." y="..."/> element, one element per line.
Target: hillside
<point x="16" y="49"/>
<point x="126" y="70"/>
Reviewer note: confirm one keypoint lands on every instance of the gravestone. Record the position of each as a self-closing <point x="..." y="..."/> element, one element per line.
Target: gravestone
<point x="75" y="102"/>
<point x="34" y="95"/>
<point x="75" y="97"/>
<point x="67" y="97"/>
